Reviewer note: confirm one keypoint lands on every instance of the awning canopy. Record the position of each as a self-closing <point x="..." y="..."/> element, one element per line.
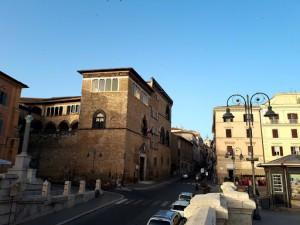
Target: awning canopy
<point x="4" y="162"/>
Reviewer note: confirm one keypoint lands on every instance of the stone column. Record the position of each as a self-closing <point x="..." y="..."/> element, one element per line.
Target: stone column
<point x="46" y="189"/>
<point x="82" y="187"/>
<point x="67" y="188"/>
<point x="23" y="159"/>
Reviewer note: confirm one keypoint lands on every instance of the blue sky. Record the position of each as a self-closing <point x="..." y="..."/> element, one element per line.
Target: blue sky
<point x="200" y="51"/>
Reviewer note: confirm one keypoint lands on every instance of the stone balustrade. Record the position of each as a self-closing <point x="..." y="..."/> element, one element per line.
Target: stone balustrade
<point x="228" y="208"/>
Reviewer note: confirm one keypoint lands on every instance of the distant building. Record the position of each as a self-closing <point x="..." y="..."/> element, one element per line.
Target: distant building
<point x="119" y="130"/>
<point x="10" y="92"/>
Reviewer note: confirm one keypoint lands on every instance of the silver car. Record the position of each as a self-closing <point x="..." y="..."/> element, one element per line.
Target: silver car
<point x="166" y="217"/>
<point x="179" y="206"/>
<point x="185" y="196"/>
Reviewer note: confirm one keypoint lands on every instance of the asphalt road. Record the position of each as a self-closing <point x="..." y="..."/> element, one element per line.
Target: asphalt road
<point x="138" y="206"/>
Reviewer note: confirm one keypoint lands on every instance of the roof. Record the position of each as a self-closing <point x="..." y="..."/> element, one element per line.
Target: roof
<point x="289" y="160"/>
<point x="181" y="202"/>
<point x="167" y="214"/>
<point x="49" y="100"/>
<point x="14" y="80"/>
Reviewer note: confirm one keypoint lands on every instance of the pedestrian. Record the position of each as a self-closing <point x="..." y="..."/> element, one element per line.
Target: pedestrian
<point x="197" y="187"/>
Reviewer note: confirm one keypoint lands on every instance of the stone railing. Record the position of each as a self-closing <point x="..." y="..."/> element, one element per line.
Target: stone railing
<point x="228" y="208"/>
<point x="19" y="205"/>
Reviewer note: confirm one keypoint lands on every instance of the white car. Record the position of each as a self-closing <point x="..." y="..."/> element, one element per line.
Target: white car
<point x="179" y="206"/>
<point x="187" y="196"/>
<point x="166" y="217"/>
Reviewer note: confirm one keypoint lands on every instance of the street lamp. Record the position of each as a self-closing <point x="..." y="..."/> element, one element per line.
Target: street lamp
<point x="259" y="98"/>
<point x="92" y="154"/>
<point x="233" y="159"/>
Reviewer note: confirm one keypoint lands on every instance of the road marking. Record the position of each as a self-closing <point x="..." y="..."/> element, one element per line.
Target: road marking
<point x="121" y="201"/>
<point x="155" y="203"/>
<point x="138" y="201"/>
<point x="165" y="203"/>
<point x="128" y="202"/>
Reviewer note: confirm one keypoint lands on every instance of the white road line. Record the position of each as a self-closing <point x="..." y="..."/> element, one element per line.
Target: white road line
<point x="121" y="201"/>
<point x="155" y="203"/>
<point x="128" y="202"/>
<point x="138" y="201"/>
<point x="165" y="203"/>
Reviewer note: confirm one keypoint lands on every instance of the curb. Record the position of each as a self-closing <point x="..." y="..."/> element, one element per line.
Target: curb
<point x="155" y="186"/>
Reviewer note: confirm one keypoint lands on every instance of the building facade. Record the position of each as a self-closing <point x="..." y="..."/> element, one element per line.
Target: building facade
<point x="118" y="129"/>
<point x="231" y="139"/>
<point x="10" y="92"/>
<point x="281" y="134"/>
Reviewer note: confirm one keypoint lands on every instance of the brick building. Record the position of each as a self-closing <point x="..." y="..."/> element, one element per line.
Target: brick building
<point x="10" y="92"/>
<point x="119" y="128"/>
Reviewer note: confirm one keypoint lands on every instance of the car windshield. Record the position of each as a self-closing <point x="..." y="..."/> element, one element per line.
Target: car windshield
<point x="185" y="197"/>
<point x="179" y="207"/>
<point x="159" y="222"/>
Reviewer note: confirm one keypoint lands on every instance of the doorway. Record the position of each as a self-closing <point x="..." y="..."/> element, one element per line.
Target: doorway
<point x="142" y="168"/>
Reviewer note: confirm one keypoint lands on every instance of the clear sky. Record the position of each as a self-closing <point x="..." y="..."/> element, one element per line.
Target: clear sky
<point x="200" y="51"/>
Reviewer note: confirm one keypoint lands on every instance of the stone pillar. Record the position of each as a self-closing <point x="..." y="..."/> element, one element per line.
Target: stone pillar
<point x="46" y="189"/>
<point x="98" y="188"/>
<point x="31" y="175"/>
<point x="67" y="188"/>
<point x="82" y="187"/>
<point x="23" y="159"/>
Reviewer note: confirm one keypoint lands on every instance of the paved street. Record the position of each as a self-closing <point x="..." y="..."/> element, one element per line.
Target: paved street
<point x="135" y="205"/>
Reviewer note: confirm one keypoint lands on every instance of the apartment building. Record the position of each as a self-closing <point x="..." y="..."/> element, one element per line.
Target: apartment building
<point x="232" y="143"/>
<point x="10" y="92"/>
<point x="281" y="134"/>
<point x="119" y="130"/>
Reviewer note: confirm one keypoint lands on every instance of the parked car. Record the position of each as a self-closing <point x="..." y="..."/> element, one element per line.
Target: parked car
<point x="185" y="175"/>
<point x="166" y="217"/>
<point x="179" y="206"/>
<point x="185" y="196"/>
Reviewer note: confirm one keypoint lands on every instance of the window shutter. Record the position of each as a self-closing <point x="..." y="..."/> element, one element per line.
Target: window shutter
<point x="296" y="116"/>
<point x="273" y="151"/>
<point x="281" y="151"/>
<point x="289" y="116"/>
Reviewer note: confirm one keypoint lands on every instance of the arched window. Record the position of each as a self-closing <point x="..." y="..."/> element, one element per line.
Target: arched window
<point x="99" y="120"/>
<point x="167" y="138"/>
<point x="162" y="136"/>
<point x="50" y="127"/>
<point x="168" y="115"/>
<point x="63" y="126"/>
<point x="74" y="125"/>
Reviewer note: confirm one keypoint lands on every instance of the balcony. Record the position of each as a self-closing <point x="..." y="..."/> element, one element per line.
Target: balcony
<point x="293" y="120"/>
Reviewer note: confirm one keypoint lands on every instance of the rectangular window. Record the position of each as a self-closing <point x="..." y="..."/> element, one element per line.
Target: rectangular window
<point x="228" y="133"/>
<point x="95" y="85"/>
<point x="277" y="182"/>
<point x="155" y="161"/>
<point x="115" y="84"/>
<point x="101" y="84"/>
<point x="295" y="150"/>
<point x="68" y="109"/>
<point x="108" y="85"/>
<point x="3" y="97"/>
<point x="1" y="126"/>
<point x="275" y="133"/>
<point x="144" y="98"/>
<point x="248" y="117"/>
<point x="48" y="111"/>
<point x="294" y="133"/>
<point x="274" y="120"/>
<point x="229" y="150"/>
<point x="277" y="151"/>
<point x="295" y="186"/>
<point x="293" y="117"/>
<point x="60" y="110"/>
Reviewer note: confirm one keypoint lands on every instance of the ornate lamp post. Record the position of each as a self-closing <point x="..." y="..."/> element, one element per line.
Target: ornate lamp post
<point x="258" y="98"/>
<point x="92" y="154"/>
<point x="233" y="159"/>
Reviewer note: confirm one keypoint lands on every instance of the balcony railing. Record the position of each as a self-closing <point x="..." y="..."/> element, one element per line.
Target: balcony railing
<point x="293" y="120"/>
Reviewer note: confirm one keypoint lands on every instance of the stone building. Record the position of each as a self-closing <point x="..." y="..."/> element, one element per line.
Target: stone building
<point x="119" y="130"/>
<point x="10" y="92"/>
